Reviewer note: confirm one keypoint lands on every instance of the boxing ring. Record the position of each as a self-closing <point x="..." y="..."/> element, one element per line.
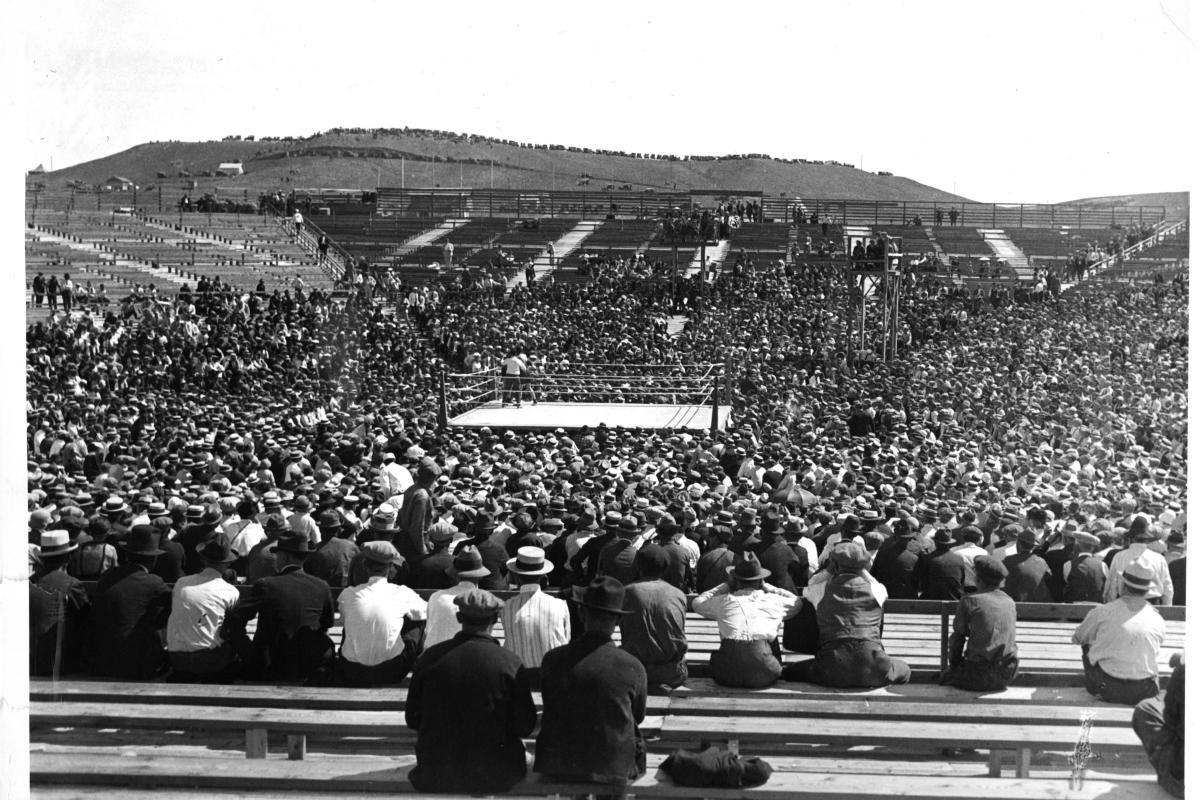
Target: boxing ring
<point x="648" y="396"/>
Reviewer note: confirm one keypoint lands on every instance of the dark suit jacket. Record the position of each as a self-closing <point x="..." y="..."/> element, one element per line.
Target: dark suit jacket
<point x="587" y="559"/>
<point x="130" y="607"/>
<point x="294" y="610"/>
<point x="494" y="558"/>
<point x="56" y="600"/>
<point x="785" y="564"/>
<point x="593" y="698"/>
<point x="470" y="704"/>
<point x="943" y="576"/>
<point x="1027" y="578"/>
<point x="710" y="571"/>
<point x="430" y="573"/>
<point x="678" y="572"/>
<point x="896" y="566"/>
<point x="331" y="562"/>
<point x="169" y="565"/>
<point x="1177" y="569"/>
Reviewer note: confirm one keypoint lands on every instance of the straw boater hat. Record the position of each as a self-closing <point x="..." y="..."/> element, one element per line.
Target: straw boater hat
<point x="530" y="561"/>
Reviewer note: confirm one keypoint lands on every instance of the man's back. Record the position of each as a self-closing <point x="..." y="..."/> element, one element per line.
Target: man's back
<point x="943" y="576"/>
<point x="896" y="567"/>
<point x="1027" y="578"/>
<point x="594" y="697"/>
<point x="711" y="570"/>
<point x="131" y="607"/>
<point x="470" y="704"/>
<point x="652" y="629"/>
<point x="617" y="560"/>
<point x="535" y="623"/>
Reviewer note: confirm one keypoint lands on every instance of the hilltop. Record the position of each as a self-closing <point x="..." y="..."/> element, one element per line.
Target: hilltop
<point x="363" y="159"/>
<point x="1176" y="203"/>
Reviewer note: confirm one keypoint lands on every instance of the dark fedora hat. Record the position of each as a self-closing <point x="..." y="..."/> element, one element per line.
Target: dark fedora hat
<point x="296" y="543"/>
<point x="216" y="551"/>
<point x="747" y="568"/>
<point x="143" y="541"/>
<point x="604" y="593"/>
<point x="468" y="563"/>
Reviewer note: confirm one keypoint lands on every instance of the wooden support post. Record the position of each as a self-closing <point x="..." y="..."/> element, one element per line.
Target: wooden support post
<point x="994" y="763"/>
<point x="945" y="639"/>
<point x="297" y="746"/>
<point x="716" y="409"/>
<point x="256" y="743"/>
<point x="443" y="417"/>
<point x="1024" y="754"/>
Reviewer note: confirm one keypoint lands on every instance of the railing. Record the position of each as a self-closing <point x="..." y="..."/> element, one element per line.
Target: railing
<point x="972" y="215"/>
<point x="306" y="238"/>
<point x="1161" y="231"/>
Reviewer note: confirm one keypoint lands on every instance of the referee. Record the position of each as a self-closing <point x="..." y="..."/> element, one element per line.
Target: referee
<point x="511" y="370"/>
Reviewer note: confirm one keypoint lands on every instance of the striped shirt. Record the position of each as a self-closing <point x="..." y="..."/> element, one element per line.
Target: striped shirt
<point x="534" y="624"/>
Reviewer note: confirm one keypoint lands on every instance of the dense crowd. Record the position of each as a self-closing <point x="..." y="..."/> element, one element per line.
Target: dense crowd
<point x="1030" y="448"/>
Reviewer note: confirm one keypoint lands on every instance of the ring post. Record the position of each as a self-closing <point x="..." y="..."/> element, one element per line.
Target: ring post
<point x="443" y="417"/>
<point x="716" y="409"/>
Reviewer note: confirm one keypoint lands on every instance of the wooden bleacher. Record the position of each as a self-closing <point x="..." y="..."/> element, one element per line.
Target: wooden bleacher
<point x="823" y="742"/>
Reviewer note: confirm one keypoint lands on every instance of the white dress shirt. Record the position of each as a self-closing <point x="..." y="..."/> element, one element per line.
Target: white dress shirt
<point x="1124" y="637"/>
<point x="373" y="615"/>
<point x="747" y="614"/>
<point x="534" y="624"/>
<point x="1153" y="561"/>
<point x="443" y="621"/>
<point x="199" y="604"/>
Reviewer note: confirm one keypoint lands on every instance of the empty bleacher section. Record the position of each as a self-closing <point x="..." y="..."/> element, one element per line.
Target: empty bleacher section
<point x="761" y="241"/>
<point x="978" y="215"/>
<point x="373" y="238"/>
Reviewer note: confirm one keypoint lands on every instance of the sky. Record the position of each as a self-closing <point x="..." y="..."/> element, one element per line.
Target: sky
<point x="1014" y="101"/>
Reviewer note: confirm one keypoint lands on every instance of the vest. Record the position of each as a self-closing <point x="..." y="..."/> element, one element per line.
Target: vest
<point x="848" y="610"/>
<point x="1086" y="581"/>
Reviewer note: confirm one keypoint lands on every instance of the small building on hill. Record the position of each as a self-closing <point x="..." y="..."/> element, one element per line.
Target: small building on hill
<point x="231" y="168"/>
<point x="118" y="184"/>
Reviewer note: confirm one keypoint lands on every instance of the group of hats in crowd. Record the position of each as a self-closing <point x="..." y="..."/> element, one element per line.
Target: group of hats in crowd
<point x="1023" y="406"/>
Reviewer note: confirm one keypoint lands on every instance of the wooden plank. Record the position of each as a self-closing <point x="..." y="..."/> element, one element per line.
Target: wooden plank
<point x="297" y="745"/>
<point x="256" y="743"/>
<point x="853" y="731"/>
<point x="864" y="708"/>
<point x="278" y="778"/>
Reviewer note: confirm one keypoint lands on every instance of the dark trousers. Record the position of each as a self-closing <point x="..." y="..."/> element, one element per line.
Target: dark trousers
<point x="982" y="676"/>
<point x="1163" y="745"/>
<point x="745" y="664"/>
<point x="850" y="664"/>
<point x="218" y="665"/>
<point x="1116" y="690"/>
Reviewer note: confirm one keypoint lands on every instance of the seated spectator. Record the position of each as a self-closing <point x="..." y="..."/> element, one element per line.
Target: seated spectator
<point x="199" y="605"/>
<point x="983" y="646"/>
<point x="849" y="610"/>
<point x="652" y="629"/>
<point x="383" y="624"/>
<point x="1120" y="642"/>
<point x="1085" y="573"/>
<point x="1028" y="574"/>
<point x="471" y="705"/>
<point x="58" y="606"/>
<point x="941" y="575"/>
<point x="128" y="614"/>
<point x="467" y="569"/>
<point x="534" y="622"/>
<point x="748" y="612"/>
<point x="1159" y="724"/>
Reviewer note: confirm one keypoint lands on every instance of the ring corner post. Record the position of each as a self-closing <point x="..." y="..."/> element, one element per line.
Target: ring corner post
<point x="443" y="417"/>
<point x="716" y="407"/>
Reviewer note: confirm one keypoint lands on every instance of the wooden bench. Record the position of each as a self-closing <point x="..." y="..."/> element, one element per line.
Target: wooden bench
<point x="191" y="777"/>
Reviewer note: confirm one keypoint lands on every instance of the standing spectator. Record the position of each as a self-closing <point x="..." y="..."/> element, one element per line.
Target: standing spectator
<point x="297" y="223"/>
<point x="67" y="292"/>
<point x="594" y="698"/>
<point x="416" y="513"/>
<point x="322" y="248"/>
<point x="983" y="646"/>
<point x="1120" y="642"/>
<point x="383" y="623"/>
<point x="199" y="605"/>
<point x="953" y="216"/>
<point x="471" y="705"/>
<point x="534" y="622"/>
<point x="39" y="289"/>
<point x="748" y="614"/>
<point x="52" y="289"/>
<point x="652" y="629"/>
<point x="130" y="609"/>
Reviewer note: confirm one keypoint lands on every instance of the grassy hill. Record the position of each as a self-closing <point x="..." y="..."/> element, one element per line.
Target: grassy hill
<point x="1176" y="203"/>
<point x="365" y="159"/>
